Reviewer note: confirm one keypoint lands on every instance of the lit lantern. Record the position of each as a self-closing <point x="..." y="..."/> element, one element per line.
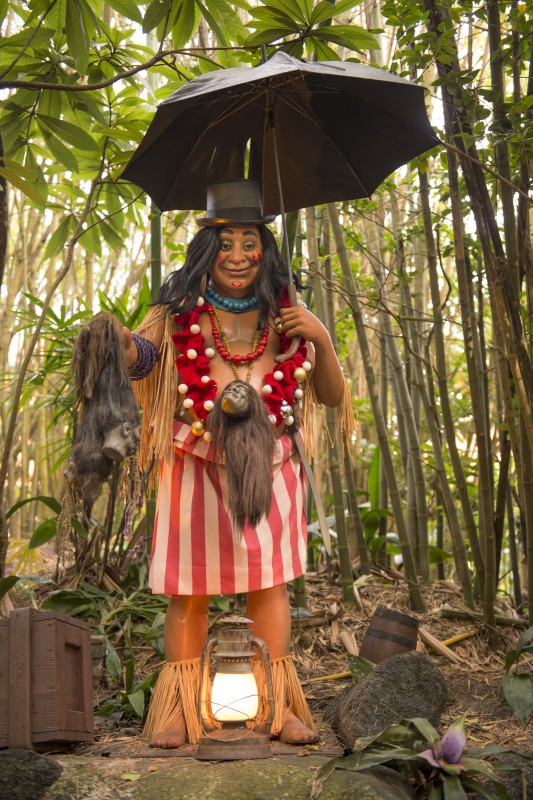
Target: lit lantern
<point x="235" y="708"/>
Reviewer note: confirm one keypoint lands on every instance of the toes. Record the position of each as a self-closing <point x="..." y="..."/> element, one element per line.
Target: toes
<point x="167" y="742"/>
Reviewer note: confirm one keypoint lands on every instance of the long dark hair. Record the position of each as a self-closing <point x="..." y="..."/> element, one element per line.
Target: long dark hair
<point x="247" y="443"/>
<point x="181" y="289"/>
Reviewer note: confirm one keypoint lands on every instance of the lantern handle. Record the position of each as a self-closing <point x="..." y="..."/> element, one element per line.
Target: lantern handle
<point x="266" y="698"/>
<point x="203" y="699"/>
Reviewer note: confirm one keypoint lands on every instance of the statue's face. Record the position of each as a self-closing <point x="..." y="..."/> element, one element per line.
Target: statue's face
<point x="236" y="399"/>
<point x="239" y="261"/>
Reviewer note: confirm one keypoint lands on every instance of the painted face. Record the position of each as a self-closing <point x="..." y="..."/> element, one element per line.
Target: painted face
<point x="238" y="262"/>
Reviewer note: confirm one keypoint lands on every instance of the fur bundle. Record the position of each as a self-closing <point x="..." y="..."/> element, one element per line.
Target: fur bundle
<point x="109" y="421"/>
<point x="246" y="439"/>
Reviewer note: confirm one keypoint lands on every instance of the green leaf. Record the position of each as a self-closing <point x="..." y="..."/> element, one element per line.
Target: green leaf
<point x="59" y="237"/>
<point x="4" y="6"/>
<point x="60" y="152"/>
<point x="214" y="24"/>
<point x="426" y="729"/>
<point x="112" y="662"/>
<point x="155" y="12"/>
<point x="359" y="667"/>
<point x="137" y="702"/>
<point x="78" y="527"/>
<point x="453" y="788"/>
<point x="43" y="533"/>
<point x="126" y="8"/>
<point x="19" y="183"/>
<point x="374" y="476"/>
<point x="266" y="36"/>
<point x="478" y="765"/>
<point x="51" y="502"/>
<point x="7" y="583"/>
<point x="437" y="555"/>
<point x="366" y="759"/>
<point x="77" y="38"/>
<point x="130" y="776"/>
<point x="70" y="602"/>
<point x="495" y="792"/>
<point x="183" y="27"/>
<point x="323" y="51"/>
<point x="276" y="19"/>
<point x="510" y="659"/>
<point x="70" y="133"/>
<point x="524" y="639"/>
<point x="518" y="691"/>
<point x="326" y="10"/>
<point x="289" y="8"/>
<point x="351" y="36"/>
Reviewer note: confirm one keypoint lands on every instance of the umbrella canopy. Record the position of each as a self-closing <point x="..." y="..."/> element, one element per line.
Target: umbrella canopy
<point x="340" y="129"/>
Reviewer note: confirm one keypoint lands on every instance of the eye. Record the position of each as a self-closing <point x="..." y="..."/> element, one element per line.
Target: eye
<point x="225" y="246"/>
<point x="249" y="246"/>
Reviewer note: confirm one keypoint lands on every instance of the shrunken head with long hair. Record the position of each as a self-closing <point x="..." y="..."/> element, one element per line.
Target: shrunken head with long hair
<point x="243" y="434"/>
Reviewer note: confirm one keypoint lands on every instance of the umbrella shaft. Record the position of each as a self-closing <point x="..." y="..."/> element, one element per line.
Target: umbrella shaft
<point x="281" y="205"/>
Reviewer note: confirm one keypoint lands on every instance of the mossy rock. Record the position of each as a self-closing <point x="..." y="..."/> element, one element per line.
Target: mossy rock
<point x="184" y="779"/>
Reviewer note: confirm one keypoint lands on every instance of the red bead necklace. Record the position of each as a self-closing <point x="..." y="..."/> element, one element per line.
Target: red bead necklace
<point x="222" y="343"/>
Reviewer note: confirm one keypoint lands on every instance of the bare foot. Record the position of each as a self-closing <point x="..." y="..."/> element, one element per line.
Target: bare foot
<point x="172" y="737"/>
<point x="295" y="732"/>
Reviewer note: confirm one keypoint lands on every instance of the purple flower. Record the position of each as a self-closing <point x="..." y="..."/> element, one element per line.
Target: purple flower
<point x="449" y="749"/>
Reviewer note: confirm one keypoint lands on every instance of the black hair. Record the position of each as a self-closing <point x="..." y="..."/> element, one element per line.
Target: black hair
<point x="181" y="289"/>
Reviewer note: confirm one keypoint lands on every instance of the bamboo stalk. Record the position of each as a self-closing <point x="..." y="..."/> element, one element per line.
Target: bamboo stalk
<point x="348" y="640"/>
<point x="459" y="638"/>
<point x="438" y="646"/>
<point x="334" y="677"/>
<point x="504" y="621"/>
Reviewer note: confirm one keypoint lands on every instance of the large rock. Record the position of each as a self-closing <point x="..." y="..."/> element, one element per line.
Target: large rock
<point x="402" y="686"/>
<point x="25" y="775"/>
<point x="515" y="769"/>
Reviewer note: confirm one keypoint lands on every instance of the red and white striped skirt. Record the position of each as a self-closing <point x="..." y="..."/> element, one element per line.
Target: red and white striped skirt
<point x="193" y="550"/>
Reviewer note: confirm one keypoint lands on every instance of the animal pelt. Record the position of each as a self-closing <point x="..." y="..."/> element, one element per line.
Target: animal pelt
<point x="246" y="440"/>
<point x="109" y="421"/>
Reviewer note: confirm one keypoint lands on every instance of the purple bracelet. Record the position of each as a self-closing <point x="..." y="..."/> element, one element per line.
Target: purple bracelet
<point x="148" y="355"/>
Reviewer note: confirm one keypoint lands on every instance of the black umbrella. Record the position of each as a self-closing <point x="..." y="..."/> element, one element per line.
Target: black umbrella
<point x="339" y="129"/>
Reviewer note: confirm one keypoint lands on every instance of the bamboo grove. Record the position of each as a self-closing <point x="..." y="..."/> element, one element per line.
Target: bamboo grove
<point x="426" y="288"/>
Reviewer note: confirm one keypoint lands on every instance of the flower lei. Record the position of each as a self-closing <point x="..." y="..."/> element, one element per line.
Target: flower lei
<point x="281" y="390"/>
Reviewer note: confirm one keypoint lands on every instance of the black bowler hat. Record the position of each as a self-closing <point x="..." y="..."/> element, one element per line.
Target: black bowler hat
<point x="234" y="202"/>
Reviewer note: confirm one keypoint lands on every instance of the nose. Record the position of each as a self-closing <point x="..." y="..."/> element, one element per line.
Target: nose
<point x="237" y="255"/>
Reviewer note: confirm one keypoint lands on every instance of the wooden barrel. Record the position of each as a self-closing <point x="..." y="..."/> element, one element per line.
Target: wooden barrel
<point x="389" y="633"/>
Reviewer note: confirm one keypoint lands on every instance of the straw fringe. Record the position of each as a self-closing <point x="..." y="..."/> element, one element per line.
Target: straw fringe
<point x="344" y="415"/>
<point x="157" y="394"/>
<point x="287" y="693"/>
<point x="314" y="419"/>
<point x="175" y="695"/>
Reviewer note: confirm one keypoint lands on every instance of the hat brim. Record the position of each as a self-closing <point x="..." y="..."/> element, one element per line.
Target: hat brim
<point x="217" y="221"/>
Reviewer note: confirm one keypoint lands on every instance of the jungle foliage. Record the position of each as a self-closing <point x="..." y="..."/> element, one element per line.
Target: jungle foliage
<point x="427" y="287"/>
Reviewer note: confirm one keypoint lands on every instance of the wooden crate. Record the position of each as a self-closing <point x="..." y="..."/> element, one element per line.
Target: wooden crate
<point x="45" y="680"/>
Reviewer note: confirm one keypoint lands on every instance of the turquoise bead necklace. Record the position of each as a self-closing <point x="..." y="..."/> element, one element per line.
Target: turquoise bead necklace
<point x="237" y="305"/>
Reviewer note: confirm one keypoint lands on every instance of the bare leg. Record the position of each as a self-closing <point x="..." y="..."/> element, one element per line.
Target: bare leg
<point x="185" y="635"/>
<point x="269" y="609"/>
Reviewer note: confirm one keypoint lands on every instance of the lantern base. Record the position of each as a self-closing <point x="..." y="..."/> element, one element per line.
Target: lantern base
<point x="233" y="746"/>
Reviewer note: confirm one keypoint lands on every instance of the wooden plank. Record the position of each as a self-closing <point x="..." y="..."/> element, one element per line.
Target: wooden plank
<point x="20" y="707"/>
<point x="74" y="675"/>
<point x="5" y="651"/>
